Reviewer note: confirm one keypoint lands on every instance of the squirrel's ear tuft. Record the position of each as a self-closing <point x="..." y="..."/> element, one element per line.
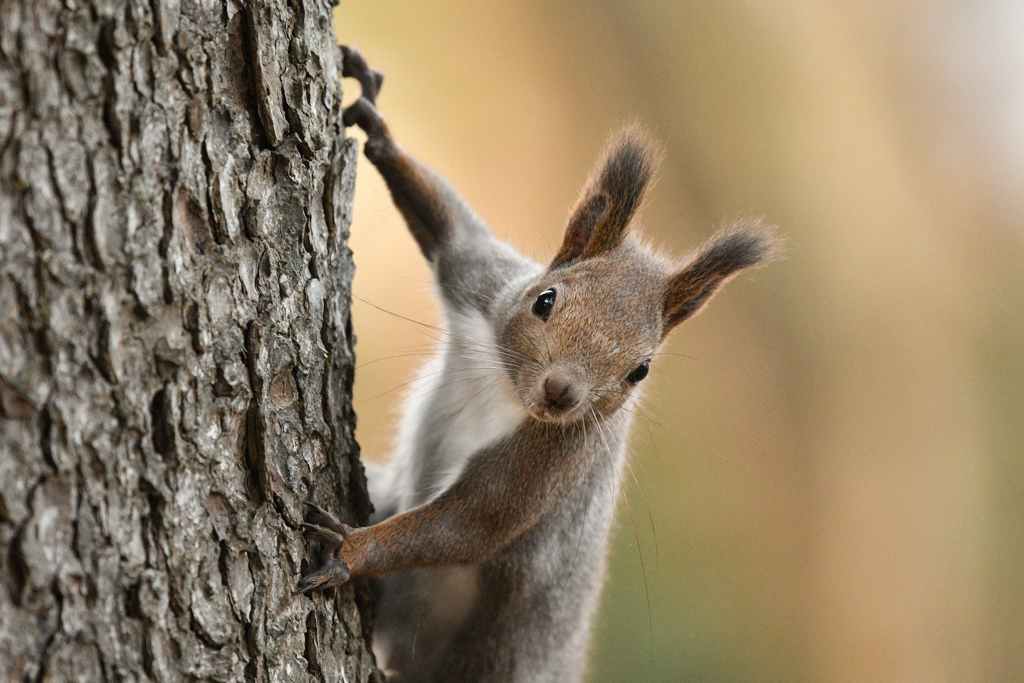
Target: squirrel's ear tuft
<point x="742" y="245"/>
<point x="611" y="198"/>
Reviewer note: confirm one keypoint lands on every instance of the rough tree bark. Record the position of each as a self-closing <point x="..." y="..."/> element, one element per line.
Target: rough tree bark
<point x="175" y="341"/>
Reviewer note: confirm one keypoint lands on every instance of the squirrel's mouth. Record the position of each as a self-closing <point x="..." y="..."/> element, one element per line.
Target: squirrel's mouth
<point x="547" y="414"/>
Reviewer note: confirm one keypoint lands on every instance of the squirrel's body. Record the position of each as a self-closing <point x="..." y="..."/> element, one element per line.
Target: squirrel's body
<point x="494" y="513"/>
<point x="434" y="624"/>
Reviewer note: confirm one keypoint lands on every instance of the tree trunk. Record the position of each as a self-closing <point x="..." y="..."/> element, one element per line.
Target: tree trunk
<point x="175" y="342"/>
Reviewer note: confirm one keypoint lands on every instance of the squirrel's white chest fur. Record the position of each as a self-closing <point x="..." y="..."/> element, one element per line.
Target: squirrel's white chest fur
<point x="461" y="402"/>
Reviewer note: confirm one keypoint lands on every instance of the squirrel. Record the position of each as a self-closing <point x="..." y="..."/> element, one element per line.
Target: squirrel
<point x="492" y="519"/>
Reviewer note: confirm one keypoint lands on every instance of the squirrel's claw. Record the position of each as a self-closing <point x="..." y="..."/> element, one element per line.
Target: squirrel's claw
<point x="363" y="112"/>
<point x="353" y="65"/>
<point x="329" y="537"/>
<point x="323" y="527"/>
<point x="333" y="572"/>
<point x="317" y="516"/>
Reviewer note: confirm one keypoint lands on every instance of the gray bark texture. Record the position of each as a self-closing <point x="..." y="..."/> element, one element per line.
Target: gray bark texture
<point x="175" y="341"/>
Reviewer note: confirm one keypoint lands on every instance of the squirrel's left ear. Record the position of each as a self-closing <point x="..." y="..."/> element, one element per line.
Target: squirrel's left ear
<point x="742" y="245"/>
<point x="602" y="216"/>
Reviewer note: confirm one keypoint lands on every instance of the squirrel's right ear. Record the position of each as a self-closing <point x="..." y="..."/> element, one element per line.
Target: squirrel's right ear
<point x="604" y="212"/>
<point x="742" y="245"/>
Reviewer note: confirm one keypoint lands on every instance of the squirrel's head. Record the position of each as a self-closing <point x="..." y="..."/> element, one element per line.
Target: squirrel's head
<point x="581" y="337"/>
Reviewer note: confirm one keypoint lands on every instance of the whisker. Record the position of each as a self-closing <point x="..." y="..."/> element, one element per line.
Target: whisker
<point x="397" y="355"/>
<point x="686" y="436"/>
<point x="427" y="376"/>
<point x="650" y="516"/>
<point x="470" y="400"/>
<point x="640" y="551"/>
<point x="483" y="344"/>
<point x="680" y="355"/>
<point x="432" y="389"/>
<point x="586" y="506"/>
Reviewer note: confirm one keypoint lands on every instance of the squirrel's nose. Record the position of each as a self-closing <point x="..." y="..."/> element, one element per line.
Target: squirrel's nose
<point x="559" y="393"/>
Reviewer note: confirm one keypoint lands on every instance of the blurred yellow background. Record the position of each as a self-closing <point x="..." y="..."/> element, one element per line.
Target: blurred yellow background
<point x="830" y="486"/>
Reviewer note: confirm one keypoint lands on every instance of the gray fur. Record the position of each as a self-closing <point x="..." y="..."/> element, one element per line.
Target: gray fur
<point x="525" y="613"/>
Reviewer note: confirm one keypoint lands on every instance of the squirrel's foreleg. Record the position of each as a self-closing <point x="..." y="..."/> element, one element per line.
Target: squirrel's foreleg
<point x="466" y="524"/>
<point x="431" y="207"/>
<point x="504" y="491"/>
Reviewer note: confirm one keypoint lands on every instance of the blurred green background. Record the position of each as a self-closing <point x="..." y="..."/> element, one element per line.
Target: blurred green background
<point x="830" y="486"/>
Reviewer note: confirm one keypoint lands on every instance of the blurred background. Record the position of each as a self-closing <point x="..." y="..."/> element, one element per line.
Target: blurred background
<point x="829" y="484"/>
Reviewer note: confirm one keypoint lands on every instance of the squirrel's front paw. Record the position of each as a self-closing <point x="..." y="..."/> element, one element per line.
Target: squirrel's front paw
<point x="323" y="527"/>
<point x="363" y="112"/>
<point x="354" y="65"/>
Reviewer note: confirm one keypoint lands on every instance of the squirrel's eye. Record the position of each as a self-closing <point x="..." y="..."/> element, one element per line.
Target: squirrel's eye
<point x="544" y="303"/>
<point x="640" y="372"/>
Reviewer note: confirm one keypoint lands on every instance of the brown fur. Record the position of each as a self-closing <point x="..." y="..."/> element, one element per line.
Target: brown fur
<point x="611" y="198"/>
